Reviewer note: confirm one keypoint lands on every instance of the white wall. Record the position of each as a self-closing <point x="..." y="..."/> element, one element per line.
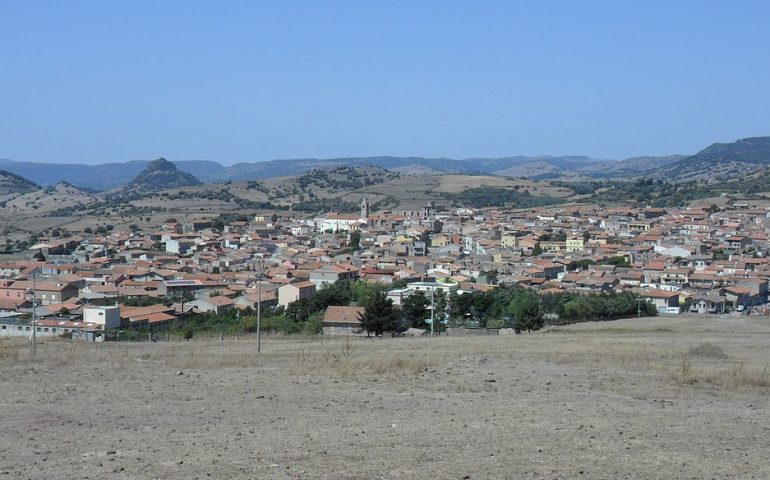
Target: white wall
<point x="109" y="317"/>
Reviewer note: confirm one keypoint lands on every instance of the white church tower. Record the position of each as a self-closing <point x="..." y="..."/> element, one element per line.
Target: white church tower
<point x="364" y="207"/>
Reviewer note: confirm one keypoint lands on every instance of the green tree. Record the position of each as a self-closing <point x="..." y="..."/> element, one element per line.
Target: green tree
<point x="379" y="314"/>
<point x="188" y="331"/>
<point x="337" y="293"/>
<point x="580" y="309"/>
<point x="299" y="311"/>
<point x="362" y="290"/>
<point x="460" y="307"/>
<point x="439" y="305"/>
<point x="355" y="240"/>
<point x="526" y="311"/>
<point x="314" y="325"/>
<point x="415" y="309"/>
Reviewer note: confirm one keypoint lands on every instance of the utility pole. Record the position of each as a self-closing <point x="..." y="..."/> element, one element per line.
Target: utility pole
<point x="432" y="310"/>
<point x="34" y="316"/>
<point x="260" y="271"/>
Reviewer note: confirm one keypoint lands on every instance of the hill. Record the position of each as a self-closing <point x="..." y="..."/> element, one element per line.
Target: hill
<point x="161" y="174"/>
<point x="44" y="201"/>
<point x="14" y="184"/>
<point x="720" y="161"/>
<point x="543" y="167"/>
<point x="111" y="175"/>
<point x="628" y="168"/>
<point x="103" y="176"/>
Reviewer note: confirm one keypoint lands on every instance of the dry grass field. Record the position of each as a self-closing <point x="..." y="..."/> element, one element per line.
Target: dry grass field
<point x="650" y="398"/>
<point x="460" y="183"/>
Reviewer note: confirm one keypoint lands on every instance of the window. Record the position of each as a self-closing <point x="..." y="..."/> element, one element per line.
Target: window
<point x="20" y="328"/>
<point x="3" y="327"/>
<point x="45" y="330"/>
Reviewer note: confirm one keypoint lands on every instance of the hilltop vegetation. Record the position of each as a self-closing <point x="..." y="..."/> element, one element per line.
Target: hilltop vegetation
<point x="162" y="188"/>
<point x="659" y="193"/>
<point x="500" y="197"/>
<point x="14" y="184"/>
<point x="346" y="177"/>
<point x="161" y="174"/>
<point x="724" y="161"/>
<point x="48" y="200"/>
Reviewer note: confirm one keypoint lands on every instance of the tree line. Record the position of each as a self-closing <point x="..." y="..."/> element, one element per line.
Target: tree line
<point x="507" y="306"/>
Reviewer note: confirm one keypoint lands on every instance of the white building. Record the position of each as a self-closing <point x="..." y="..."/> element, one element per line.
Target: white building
<point x="398" y="295"/>
<point x="107" y="317"/>
<point x="295" y="291"/>
<point x="298" y="230"/>
<point x="336" y="223"/>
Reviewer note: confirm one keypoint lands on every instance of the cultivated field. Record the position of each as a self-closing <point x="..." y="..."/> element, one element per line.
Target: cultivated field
<point x="650" y="398"/>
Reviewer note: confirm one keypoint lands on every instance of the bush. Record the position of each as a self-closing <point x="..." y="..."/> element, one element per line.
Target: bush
<point x="314" y="325"/>
<point x="188" y="332"/>
<point x="707" y="350"/>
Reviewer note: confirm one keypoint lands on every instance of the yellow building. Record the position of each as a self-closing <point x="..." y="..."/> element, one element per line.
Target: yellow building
<point x="575" y="244"/>
<point x="439" y="240"/>
<point x="508" y="241"/>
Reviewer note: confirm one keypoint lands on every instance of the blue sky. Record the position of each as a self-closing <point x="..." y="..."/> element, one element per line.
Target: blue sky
<point x="237" y="81"/>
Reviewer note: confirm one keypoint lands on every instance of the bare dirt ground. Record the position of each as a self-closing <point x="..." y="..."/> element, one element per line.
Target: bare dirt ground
<point x="650" y="398"/>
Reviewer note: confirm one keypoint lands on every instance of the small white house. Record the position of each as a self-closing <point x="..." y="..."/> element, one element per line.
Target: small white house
<point x="107" y="317"/>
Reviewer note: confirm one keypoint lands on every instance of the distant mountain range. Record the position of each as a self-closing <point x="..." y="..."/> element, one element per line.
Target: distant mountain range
<point x="728" y="159"/>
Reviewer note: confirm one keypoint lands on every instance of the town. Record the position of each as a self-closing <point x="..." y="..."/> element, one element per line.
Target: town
<point x="141" y="284"/>
<point x="396" y="240"/>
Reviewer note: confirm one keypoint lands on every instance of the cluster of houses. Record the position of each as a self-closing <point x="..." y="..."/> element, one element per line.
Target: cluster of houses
<point x="682" y="260"/>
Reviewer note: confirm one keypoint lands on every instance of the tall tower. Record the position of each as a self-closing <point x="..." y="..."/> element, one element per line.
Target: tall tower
<point x="364" y="207"/>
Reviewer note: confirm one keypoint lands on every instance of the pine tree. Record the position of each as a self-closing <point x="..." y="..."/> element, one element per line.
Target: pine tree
<point x="415" y="309"/>
<point x="379" y="314"/>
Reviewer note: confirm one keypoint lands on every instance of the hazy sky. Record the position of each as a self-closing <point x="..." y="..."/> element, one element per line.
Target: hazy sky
<point x="239" y="81"/>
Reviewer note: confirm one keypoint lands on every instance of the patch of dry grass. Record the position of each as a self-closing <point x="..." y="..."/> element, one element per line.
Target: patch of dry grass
<point x="187" y="355"/>
<point x="707" y="350"/>
<point x="730" y="376"/>
<point x="346" y="359"/>
<point x="9" y="351"/>
<point x="621" y="353"/>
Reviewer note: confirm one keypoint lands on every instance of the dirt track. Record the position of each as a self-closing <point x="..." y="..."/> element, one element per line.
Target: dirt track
<point x="620" y="400"/>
